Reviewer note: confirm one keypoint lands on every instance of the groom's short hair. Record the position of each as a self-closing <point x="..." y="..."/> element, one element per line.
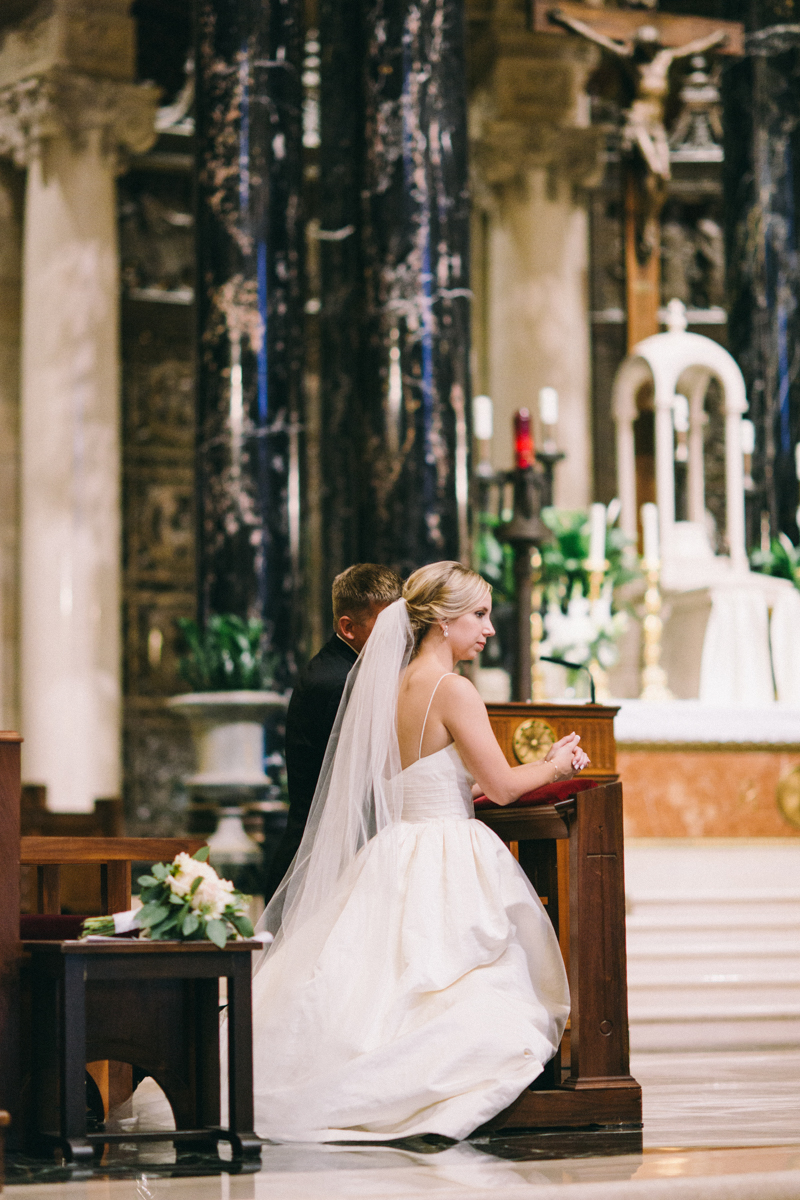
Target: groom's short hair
<point x="361" y="586"/>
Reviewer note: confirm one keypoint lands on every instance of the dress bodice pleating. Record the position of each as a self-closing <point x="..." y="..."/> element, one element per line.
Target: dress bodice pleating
<point x="437" y="787"/>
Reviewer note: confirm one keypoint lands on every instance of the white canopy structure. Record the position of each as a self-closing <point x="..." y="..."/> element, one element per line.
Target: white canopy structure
<point x="730" y="634"/>
<point x="681" y="363"/>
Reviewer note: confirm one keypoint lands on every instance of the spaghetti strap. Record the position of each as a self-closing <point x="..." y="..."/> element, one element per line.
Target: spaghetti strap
<point x="428" y="709"/>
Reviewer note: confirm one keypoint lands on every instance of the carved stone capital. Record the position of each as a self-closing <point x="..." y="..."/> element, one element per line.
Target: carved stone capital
<point x="528" y="109"/>
<point x="67" y="104"/>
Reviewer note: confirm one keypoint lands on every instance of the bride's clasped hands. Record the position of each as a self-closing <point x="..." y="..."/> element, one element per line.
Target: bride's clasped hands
<point x="455" y="713"/>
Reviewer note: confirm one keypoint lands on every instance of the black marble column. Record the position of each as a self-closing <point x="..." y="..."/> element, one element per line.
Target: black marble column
<point x="394" y="262"/>
<point x="762" y="168"/>
<point x="249" y="250"/>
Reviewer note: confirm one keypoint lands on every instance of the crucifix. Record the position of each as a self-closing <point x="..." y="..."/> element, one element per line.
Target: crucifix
<point x="646" y="50"/>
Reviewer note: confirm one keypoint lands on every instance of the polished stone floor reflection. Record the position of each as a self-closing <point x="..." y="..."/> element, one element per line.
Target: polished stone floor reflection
<point x="717" y="1127"/>
<point x="746" y="1098"/>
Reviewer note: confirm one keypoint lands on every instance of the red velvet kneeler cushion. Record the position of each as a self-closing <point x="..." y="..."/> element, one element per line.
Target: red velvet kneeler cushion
<point x="549" y="794"/>
<point x="50" y="927"/>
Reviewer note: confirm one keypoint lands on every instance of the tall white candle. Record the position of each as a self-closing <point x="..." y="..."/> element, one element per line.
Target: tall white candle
<point x="483" y="418"/>
<point x="597" y="537"/>
<point x="548" y="405"/>
<point x="797" y="460"/>
<point x="650" y="530"/>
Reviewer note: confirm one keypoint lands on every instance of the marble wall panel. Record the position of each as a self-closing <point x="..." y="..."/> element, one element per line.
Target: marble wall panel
<point x="685" y="791"/>
<point x="394" y="225"/>
<point x="159" y="542"/>
<point x="762" y="191"/>
<point x="249" y="245"/>
<point x="11" y="199"/>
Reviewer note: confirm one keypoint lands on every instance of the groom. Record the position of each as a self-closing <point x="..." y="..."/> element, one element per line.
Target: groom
<point x="359" y="594"/>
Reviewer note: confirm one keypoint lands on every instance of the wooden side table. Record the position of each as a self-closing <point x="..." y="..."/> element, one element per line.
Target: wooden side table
<point x="5" y="1119"/>
<point x="154" y="1005"/>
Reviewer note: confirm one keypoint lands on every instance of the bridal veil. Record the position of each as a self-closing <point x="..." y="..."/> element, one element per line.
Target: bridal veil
<point x="360" y="790"/>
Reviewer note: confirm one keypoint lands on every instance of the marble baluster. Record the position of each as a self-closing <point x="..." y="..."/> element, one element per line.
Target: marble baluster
<point x="249" y="250"/>
<point x="762" y="164"/>
<point x="67" y="128"/>
<point x="395" y="330"/>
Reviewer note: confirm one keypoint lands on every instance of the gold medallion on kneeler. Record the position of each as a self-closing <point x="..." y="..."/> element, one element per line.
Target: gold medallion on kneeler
<point x="532" y="740"/>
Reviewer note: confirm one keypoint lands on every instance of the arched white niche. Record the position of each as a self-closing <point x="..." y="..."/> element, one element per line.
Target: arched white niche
<point x="681" y="363"/>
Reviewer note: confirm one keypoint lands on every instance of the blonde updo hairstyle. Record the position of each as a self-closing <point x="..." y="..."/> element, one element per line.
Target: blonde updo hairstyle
<point x="442" y="591"/>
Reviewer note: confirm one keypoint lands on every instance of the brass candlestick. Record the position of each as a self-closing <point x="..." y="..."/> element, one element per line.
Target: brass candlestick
<point x="597" y="573"/>
<point x="537" y="630"/>
<point x="654" y="677"/>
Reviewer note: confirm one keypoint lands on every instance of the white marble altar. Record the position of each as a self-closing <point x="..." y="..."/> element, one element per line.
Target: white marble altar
<point x="681" y="363"/>
<point x="716" y="643"/>
<point x="692" y="722"/>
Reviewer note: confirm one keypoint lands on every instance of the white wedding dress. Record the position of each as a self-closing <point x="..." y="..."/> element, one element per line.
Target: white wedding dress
<point x="425" y="994"/>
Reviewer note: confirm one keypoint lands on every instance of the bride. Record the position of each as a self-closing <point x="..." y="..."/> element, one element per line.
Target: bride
<point x="415" y="984"/>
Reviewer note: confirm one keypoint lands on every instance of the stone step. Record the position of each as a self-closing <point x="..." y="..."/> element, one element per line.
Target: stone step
<point x="714" y="912"/>
<point x="724" y="997"/>
<point x="734" y="943"/>
<point x="744" y="1032"/>
<point x="779" y="971"/>
<point x="713" y="944"/>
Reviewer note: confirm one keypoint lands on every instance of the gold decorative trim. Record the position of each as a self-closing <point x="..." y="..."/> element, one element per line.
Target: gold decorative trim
<point x="787" y="795"/>
<point x="532" y="739"/>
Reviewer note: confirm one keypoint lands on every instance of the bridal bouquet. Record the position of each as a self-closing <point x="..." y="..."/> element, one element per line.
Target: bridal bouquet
<point x="185" y="900"/>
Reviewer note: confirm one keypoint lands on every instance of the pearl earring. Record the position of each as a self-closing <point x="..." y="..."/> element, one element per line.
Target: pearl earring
<point x="445" y="630"/>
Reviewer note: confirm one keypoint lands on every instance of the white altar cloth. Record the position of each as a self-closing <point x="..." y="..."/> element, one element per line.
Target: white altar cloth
<point x="692" y="722"/>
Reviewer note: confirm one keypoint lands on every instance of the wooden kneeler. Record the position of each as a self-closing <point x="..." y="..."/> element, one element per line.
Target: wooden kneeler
<point x="583" y="885"/>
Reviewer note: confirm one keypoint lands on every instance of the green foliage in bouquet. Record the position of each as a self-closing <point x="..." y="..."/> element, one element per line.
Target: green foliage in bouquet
<point x="227" y="656"/>
<point x="184" y="900"/>
<point x="782" y="559"/>
<point x="189" y="901"/>
<point x="564" y="573"/>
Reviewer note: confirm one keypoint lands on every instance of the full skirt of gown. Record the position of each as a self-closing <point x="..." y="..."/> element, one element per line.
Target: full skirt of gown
<point x="424" y="997"/>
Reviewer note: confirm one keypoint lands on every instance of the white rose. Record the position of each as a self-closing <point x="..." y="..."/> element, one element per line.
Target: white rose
<point x="212" y="897"/>
<point x="189" y="870"/>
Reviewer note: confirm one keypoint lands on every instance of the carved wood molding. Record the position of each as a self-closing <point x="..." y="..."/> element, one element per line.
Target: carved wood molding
<point x="63" y="103"/>
<point x="619" y="23"/>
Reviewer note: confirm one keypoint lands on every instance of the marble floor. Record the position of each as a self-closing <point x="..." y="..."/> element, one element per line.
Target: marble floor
<point x="717" y="1127"/>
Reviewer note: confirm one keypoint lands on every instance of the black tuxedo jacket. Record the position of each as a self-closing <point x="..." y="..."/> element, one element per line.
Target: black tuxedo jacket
<point x="309" y="721"/>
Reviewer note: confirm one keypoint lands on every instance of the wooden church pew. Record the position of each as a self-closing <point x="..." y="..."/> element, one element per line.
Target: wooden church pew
<point x="572" y="852"/>
<point x="111" y="857"/>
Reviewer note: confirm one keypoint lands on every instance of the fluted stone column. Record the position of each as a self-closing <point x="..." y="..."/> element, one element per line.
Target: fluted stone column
<point x="394" y="250"/>
<point x="68" y="129"/>
<point x="249" y="243"/>
<point x="539" y="327"/>
<point x="534" y="156"/>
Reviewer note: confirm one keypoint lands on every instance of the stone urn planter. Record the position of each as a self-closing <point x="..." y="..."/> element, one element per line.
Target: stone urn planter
<point x="228" y="733"/>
